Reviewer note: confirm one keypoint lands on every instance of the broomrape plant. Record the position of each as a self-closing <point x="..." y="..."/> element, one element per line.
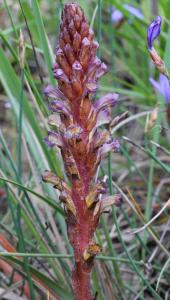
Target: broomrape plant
<point x="81" y="140"/>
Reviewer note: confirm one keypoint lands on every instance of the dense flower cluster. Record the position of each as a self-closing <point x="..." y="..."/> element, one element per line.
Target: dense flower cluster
<point x="79" y="136"/>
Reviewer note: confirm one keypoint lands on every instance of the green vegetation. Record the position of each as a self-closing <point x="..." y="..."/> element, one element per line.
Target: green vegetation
<point x="132" y="265"/>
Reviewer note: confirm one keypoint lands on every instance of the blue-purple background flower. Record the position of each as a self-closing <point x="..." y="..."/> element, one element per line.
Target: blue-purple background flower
<point x="117" y="16"/>
<point x="163" y="87"/>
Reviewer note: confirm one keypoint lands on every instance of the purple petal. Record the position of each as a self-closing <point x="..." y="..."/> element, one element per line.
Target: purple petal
<point x="101" y="71"/>
<point x="54" y="120"/>
<point x="60" y="107"/>
<point x="106" y="101"/>
<point x="116" y="16"/>
<point x="165" y="87"/>
<point x="54" y="93"/>
<point x="77" y="69"/>
<point x="103" y="117"/>
<point x="73" y="131"/>
<point x="49" y="143"/>
<point x="93" y="67"/>
<point x="102" y="138"/>
<point x="107" y="147"/>
<point x="60" y="75"/>
<point x="156" y="85"/>
<point x="96" y="70"/>
<point x="116" y="145"/>
<point x="94" y="48"/>
<point x="134" y="11"/>
<point x="91" y="87"/>
<point x="7" y="105"/>
<point x="154" y="30"/>
<point x="77" y="66"/>
<point x="54" y="139"/>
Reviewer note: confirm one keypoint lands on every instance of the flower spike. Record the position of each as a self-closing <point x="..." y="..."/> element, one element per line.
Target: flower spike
<point x="76" y="119"/>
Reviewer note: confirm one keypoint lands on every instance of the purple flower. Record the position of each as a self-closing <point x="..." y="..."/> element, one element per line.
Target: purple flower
<point x="154" y="30"/>
<point x="134" y="11"/>
<point x="106" y="101"/>
<point x="117" y="16"/>
<point x="73" y="132"/>
<point x="60" y="107"/>
<point x="110" y="146"/>
<point x="54" y="93"/>
<point x="163" y="87"/>
<point x="54" y="139"/>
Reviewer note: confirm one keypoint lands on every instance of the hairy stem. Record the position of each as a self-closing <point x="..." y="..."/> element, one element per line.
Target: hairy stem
<point x="81" y="283"/>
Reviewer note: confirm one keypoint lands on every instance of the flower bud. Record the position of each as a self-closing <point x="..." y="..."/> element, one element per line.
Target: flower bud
<point x="153" y="32"/>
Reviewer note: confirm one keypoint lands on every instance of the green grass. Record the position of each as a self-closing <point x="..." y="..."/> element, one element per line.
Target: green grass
<point x="31" y="216"/>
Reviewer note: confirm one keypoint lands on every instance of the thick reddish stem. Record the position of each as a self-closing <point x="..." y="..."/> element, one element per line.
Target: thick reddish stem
<point x="80" y="237"/>
<point x="81" y="283"/>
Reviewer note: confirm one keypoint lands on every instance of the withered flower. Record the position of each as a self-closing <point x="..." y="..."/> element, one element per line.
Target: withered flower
<point x="80" y="139"/>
